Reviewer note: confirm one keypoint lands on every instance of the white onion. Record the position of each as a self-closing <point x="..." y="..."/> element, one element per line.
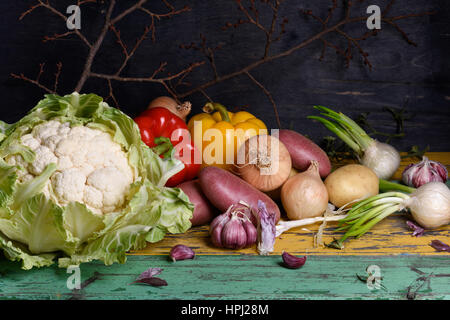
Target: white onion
<point x="382" y="158"/>
<point x="430" y="205"/>
<point x="378" y="156"/>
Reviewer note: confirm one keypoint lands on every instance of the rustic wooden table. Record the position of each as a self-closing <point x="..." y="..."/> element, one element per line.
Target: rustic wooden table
<point x="408" y="266"/>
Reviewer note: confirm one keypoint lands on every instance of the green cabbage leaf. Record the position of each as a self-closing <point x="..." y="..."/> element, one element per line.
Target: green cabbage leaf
<point x="37" y="231"/>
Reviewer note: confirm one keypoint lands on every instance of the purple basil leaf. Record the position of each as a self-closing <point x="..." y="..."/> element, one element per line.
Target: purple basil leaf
<point x="152" y="281"/>
<point x="149" y="273"/>
<point x="267" y="229"/>
<point x="417" y="231"/>
<point x="440" y="246"/>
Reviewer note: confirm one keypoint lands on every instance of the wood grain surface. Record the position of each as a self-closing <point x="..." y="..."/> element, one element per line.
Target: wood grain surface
<point x="241" y="277"/>
<point x="389" y="237"/>
<point x="409" y="269"/>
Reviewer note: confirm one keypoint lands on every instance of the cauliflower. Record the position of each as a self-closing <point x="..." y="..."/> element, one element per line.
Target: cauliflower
<point x="91" y="167"/>
<point x="77" y="184"/>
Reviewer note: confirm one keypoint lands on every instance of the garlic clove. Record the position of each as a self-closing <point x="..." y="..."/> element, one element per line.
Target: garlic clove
<point x="440" y="169"/>
<point x="216" y="231"/>
<point x="220" y="220"/>
<point x="251" y="232"/>
<point x="291" y="261"/>
<point x="234" y="235"/>
<point x="181" y="252"/>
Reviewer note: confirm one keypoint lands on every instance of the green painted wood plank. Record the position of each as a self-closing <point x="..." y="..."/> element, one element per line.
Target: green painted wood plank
<point x="237" y="277"/>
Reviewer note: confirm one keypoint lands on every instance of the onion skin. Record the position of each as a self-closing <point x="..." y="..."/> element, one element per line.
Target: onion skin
<point x="351" y="182"/>
<point x="266" y="162"/>
<point x="304" y="195"/>
<point x="430" y="205"/>
<point x="303" y="150"/>
<point x="181" y="110"/>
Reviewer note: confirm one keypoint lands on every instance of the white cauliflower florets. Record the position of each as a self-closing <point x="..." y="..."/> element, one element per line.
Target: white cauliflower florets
<point x="91" y="167"/>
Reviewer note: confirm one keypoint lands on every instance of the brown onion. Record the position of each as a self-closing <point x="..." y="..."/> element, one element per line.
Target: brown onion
<point x="305" y="195"/>
<point x="264" y="162"/>
<point x="276" y="194"/>
<point x="182" y="110"/>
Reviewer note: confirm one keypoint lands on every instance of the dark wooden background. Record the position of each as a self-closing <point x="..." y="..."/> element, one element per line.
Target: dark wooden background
<point x="416" y="78"/>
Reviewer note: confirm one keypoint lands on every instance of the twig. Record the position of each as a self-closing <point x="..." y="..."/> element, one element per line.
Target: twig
<point x="109" y="24"/>
<point x="95" y="47"/>
<point x="36" y="81"/>
<point x="251" y="15"/>
<point x="269" y="96"/>
<point x="46" y="5"/>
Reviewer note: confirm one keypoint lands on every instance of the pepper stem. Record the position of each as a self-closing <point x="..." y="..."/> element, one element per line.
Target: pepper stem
<point x="163" y="147"/>
<point x="214" y="106"/>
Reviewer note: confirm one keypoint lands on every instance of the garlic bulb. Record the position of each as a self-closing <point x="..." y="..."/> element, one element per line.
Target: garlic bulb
<point x="418" y="174"/>
<point x="234" y="229"/>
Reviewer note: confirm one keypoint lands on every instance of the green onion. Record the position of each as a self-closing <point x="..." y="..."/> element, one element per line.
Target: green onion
<point x="382" y="158"/>
<point x="429" y="206"/>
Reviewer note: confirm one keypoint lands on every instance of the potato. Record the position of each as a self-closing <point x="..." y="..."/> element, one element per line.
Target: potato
<point x="351" y="182"/>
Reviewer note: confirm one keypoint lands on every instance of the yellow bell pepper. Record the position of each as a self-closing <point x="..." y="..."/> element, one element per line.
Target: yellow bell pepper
<point x="219" y="133"/>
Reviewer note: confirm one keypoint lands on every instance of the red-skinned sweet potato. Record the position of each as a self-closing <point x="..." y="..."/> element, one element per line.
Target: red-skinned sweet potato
<point x="303" y="150"/>
<point x="223" y="189"/>
<point x="204" y="211"/>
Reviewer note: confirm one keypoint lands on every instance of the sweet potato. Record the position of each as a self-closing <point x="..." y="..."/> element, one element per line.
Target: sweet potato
<point x="204" y="211"/>
<point x="223" y="189"/>
<point x="303" y="150"/>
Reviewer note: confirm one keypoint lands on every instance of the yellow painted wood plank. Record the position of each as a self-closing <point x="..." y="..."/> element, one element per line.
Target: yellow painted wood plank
<point x="390" y="237"/>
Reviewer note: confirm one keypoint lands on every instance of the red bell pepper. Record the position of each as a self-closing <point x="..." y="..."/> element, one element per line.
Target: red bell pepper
<point x="162" y="130"/>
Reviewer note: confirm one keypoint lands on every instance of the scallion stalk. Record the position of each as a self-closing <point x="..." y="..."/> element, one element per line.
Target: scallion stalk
<point x="382" y="158"/>
<point x="429" y="206"/>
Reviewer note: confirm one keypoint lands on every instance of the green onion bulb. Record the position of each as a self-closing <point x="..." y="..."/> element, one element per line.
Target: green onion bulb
<point x="382" y="158"/>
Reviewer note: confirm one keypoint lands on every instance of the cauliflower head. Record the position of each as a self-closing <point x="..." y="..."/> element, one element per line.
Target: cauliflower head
<point x="91" y="167"/>
<point x="76" y="180"/>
